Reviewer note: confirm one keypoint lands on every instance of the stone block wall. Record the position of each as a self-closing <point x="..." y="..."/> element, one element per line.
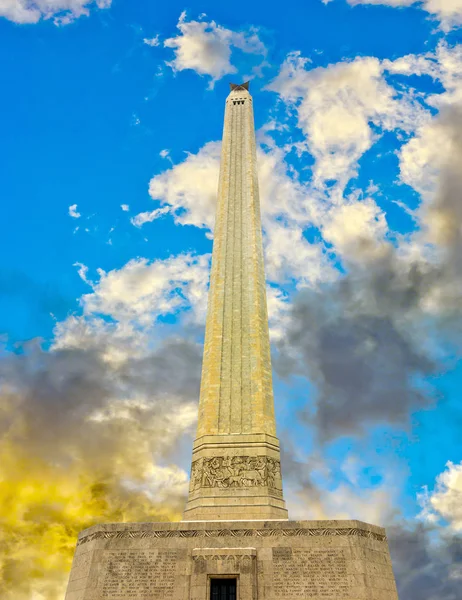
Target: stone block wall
<point x="271" y="560"/>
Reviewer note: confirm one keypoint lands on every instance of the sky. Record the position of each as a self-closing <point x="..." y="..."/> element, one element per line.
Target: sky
<point x="111" y="118"/>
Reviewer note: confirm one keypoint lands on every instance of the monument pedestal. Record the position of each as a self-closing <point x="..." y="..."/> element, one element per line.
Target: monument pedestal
<point x="270" y="560"/>
<point x="235" y="477"/>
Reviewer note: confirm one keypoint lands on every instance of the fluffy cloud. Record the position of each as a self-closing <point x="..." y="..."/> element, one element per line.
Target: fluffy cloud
<point x="357" y="229"/>
<point x="73" y="211"/>
<point x="442" y="65"/>
<point x="153" y="42"/>
<point x="364" y="341"/>
<point x="422" y="158"/>
<point x="448" y="12"/>
<point x="435" y="142"/>
<point x="85" y="433"/>
<point x="445" y="501"/>
<point x="430" y="163"/>
<point x="362" y="360"/>
<point x="311" y="493"/>
<point x="136" y="295"/>
<point x="423" y="568"/>
<point x="291" y="258"/>
<point x="61" y="11"/>
<point x="336" y="107"/>
<point x="188" y="191"/>
<point x="85" y="442"/>
<point x="188" y="188"/>
<point x="205" y="47"/>
<point x="440" y="214"/>
<point x="149" y="216"/>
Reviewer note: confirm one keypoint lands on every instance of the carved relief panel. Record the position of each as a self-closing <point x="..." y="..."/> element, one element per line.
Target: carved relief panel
<point x="236" y="472"/>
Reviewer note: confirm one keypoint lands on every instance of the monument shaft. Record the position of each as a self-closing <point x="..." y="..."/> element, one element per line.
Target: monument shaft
<point x="236" y="464"/>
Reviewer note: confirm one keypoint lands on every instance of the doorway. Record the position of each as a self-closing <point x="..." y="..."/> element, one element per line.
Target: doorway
<point x="223" y="589"/>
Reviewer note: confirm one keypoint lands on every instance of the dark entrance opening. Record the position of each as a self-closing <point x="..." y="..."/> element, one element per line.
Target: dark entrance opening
<point x="223" y="589"/>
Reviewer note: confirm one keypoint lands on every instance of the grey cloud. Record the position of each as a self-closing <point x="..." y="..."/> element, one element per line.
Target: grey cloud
<point x="365" y="341"/>
<point x="69" y="438"/>
<point x="425" y="570"/>
<point x="174" y="369"/>
<point x="298" y="474"/>
<point x="363" y="365"/>
<point x="55" y="393"/>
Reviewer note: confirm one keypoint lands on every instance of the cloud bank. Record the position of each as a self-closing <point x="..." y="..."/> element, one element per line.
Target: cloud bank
<point x="447" y="12"/>
<point x="62" y="12"/>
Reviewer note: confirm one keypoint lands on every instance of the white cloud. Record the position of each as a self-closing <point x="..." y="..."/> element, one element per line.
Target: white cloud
<point x="435" y="144"/>
<point x="320" y="499"/>
<point x="288" y="208"/>
<point x="73" y="211"/>
<point x="290" y="258"/>
<point x="448" y="12"/>
<point x="120" y="317"/>
<point x="445" y="501"/>
<point x="82" y="270"/>
<point x="125" y="207"/>
<point x="152" y="41"/>
<point x="61" y="11"/>
<point x="338" y="106"/>
<point x="443" y="65"/>
<point x="189" y="188"/>
<point x="423" y="156"/>
<point x="357" y="229"/>
<point x="205" y="47"/>
<point x="188" y="191"/>
<point x="278" y="310"/>
<point x="148" y="217"/>
<point x="342" y="109"/>
<point x="142" y="290"/>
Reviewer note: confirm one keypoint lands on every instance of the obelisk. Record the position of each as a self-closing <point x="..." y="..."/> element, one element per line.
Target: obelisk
<point x="235" y="542"/>
<point x="236" y="470"/>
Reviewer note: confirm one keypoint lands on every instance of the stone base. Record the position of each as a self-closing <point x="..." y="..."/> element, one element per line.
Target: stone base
<point x="270" y="560"/>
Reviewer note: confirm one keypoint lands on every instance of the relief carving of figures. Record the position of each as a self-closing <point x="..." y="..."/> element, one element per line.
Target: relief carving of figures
<point x="236" y="471"/>
<point x="196" y="475"/>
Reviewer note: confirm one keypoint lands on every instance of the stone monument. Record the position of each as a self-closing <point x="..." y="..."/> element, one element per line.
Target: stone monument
<point x="235" y="542"/>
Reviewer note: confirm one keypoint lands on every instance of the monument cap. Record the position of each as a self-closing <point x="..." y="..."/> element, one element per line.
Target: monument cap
<point x="239" y="86"/>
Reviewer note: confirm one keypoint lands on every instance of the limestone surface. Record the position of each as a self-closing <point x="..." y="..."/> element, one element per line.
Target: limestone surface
<point x="236" y="469"/>
<point x="269" y="560"/>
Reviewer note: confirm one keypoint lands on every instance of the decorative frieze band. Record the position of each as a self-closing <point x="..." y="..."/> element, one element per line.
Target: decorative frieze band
<point x="236" y="472"/>
<point x="186" y="533"/>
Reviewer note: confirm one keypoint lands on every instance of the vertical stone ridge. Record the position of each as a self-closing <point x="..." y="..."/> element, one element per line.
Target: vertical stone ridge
<point x="236" y="463"/>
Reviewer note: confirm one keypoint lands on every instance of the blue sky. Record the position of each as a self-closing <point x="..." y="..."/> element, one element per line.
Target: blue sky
<point x="112" y="115"/>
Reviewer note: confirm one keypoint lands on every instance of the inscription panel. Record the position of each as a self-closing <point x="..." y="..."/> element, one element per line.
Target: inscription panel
<point x="304" y="574"/>
<point x="139" y="574"/>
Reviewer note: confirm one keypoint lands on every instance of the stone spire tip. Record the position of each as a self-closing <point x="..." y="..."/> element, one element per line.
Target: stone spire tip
<point x="239" y="86"/>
